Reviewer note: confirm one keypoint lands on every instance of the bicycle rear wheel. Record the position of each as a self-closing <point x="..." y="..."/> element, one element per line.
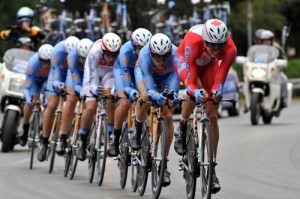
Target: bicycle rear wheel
<point x="206" y="161"/>
<point x="143" y="166"/>
<point x="53" y="143"/>
<point x="159" y="160"/>
<point x="190" y="174"/>
<point x="123" y="157"/>
<point x="101" y="149"/>
<point x="35" y="128"/>
<point x="91" y="154"/>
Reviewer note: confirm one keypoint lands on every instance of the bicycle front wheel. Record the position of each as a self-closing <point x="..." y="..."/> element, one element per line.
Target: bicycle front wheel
<point x="190" y="174"/>
<point x="53" y="142"/>
<point x="159" y="160"/>
<point x="124" y="154"/>
<point x="73" y="157"/>
<point x="68" y="154"/>
<point x="35" y="128"/>
<point x="143" y="166"/>
<point x="101" y="149"/>
<point x="91" y="155"/>
<point x="206" y="161"/>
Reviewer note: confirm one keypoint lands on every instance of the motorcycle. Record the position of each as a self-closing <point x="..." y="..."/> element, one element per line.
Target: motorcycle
<point x="262" y="83"/>
<point x="12" y="81"/>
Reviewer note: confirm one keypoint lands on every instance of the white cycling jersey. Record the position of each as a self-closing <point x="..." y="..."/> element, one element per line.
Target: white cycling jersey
<point x="96" y="71"/>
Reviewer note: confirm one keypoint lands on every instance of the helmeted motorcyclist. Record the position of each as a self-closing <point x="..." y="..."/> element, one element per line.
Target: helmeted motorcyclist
<point x="24" y="28"/>
<point x="266" y="37"/>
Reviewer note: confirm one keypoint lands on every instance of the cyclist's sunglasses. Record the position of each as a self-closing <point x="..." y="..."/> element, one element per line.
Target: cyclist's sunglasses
<point x="80" y="58"/>
<point x="111" y="54"/>
<point x="45" y="61"/>
<point x="216" y="46"/>
<point x="160" y="58"/>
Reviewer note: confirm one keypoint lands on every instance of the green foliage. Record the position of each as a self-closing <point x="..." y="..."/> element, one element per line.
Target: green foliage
<point x="293" y="69"/>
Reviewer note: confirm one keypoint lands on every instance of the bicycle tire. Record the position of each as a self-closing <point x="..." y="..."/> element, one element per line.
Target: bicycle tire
<point x="134" y="169"/>
<point x="160" y="149"/>
<point x="190" y="158"/>
<point x="123" y="157"/>
<point x="144" y="154"/>
<point x="74" y="159"/>
<point x="54" y="143"/>
<point x="69" y="150"/>
<point x="101" y="150"/>
<point x="206" y="161"/>
<point x="35" y="131"/>
<point x="91" y="156"/>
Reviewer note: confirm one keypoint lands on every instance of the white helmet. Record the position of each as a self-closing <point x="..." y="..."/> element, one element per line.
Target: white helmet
<point x="25" y="14"/>
<point x="266" y="34"/>
<point x="83" y="47"/>
<point x="160" y="44"/>
<point x="140" y="36"/>
<point x="70" y="43"/>
<point x="45" y="51"/>
<point x="111" y="42"/>
<point x="215" y="31"/>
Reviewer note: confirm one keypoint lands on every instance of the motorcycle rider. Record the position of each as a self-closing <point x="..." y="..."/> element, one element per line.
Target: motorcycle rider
<point x="24" y="28"/>
<point x="267" y="38"/>
<point x="36" y="80"/>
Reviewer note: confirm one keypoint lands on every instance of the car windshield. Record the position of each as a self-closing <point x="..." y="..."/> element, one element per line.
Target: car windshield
<point x="16" y="59"/>
<point x="262" y="53"/>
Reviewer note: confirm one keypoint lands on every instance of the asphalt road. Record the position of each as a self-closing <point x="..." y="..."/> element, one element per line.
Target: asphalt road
<point x="261" y="162"/>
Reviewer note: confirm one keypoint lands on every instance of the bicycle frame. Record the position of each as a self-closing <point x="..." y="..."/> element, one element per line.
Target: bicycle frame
<point x="99" y="114"/>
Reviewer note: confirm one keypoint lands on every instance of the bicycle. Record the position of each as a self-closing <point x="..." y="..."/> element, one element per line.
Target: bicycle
<point x="199" y="159"/>
<point x="153" y="148"/>
<point x="124" y="158"/>
<point x="73" y="142"/>
<point x="55" y="129"/>
<point x="98" y="140"/>
<point x="34" y="137"/>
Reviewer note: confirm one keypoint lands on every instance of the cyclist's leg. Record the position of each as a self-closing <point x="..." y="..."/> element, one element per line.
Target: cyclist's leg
<point x="120" y="115"/>
<point x="141" y="112"/>
<point x="67" y="117"/>
<point x="48" y="118"/>
<point x="186" y="108"/>
<point x="108" y="83"/>
<point x="27" y="111"/>
<point x="86" y="123"/>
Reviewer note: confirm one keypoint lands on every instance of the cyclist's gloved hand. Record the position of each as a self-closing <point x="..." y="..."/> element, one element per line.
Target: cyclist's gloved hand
<point x="198" y="93"/>
<point x="58" y="86"/>
<point x="77" y="89"/>
<point x="160" y="99"/>
<point x="95" y="90"/>
<point x="131" y="93"/>
<point x="175" y="99"/>
<point x="217" y="96"/>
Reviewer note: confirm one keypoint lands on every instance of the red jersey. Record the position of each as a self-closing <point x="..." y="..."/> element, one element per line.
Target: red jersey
<point x="198" y="62"/>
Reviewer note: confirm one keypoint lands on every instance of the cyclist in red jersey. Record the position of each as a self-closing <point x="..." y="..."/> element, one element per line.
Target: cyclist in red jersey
<point x="202" y="62"/>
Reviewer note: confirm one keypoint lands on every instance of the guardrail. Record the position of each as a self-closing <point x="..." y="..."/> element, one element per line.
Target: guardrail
<point x="295" y="82"/>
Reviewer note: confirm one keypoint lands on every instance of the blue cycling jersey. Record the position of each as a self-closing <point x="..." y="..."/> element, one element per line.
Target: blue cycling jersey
<point x="75" y="70"/>
<point x="124" y="67"/>
<point x="59" y="67"/>
<point x="156" y="78"/>
<point x="36" y="77"/>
